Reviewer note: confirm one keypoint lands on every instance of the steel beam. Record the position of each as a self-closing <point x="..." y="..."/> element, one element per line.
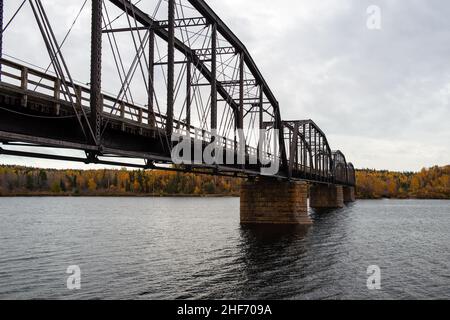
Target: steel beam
<point x="182" y="23"/>
<point x="232" y="83"/>
<point x="305" y="158"/>
<point x="179" y="23"/>
<point x="176" y="62"/>
<point x="119" y="30"/>
<point x="188" y="94"/>
<point x="214" y="77"/>
<point x="293" y="150"/>
<point x="219" y="51"/>
<point x="170" y="67"/>
<point x="96" y="69"/>
<point x="316" y="164"/>
<point x="1" y="35"/>
<point x="151" y="79"/>
<point x="240" y="120"/>
<point x="261" y="107"/>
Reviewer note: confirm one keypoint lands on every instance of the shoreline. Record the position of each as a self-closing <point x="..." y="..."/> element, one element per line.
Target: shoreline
<point x="120" y="195"/>
<point x="140" y="195"/>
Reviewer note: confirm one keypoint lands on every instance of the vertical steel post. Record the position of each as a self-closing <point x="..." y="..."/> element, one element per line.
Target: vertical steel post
<point x="293" y="139"/>
<point x="297" y="153"/>
<point x="311" y="165"/>
<point x="305" y="151"/>
<point x="297" y="133"/>
<point x="214" y="77"/>
<point x="281" y="143"/>
<point x="240" y="122"/>
<point x="1" y="35"/>
<point x="170" y="68"/>
<point x="323" y="158"/>
<point x="96" y="69"/>
<point x="239" y="118"/>
<point x="300" y="157"/>
<point x="151" y="79"/>
<point x="188" y="93"/>
<point x="316" y="164"/>
<point x="261" y="118"/>
<point x="261" y="107"/>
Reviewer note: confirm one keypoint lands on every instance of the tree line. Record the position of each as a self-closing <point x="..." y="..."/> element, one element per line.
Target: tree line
<point x="17" y="180"/>
<point x="432" y="183"/>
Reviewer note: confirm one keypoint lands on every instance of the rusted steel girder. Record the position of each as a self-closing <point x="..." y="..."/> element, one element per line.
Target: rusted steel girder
<point x="170" y="68"/>
<point x="1" y="34"/>
<point x="96" y="69"/>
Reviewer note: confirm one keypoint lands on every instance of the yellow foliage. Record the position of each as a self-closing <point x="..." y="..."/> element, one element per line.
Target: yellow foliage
<point x="92" y="186"/>
<point x="428" y="183"/>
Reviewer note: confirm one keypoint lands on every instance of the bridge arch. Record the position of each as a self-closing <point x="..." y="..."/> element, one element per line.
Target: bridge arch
<point x="312" y="158"/>
<point x="340" y="173"/>
<point x="322" y="163"/>
<point x="351" y="175"/>
<point x="300" y="154"/>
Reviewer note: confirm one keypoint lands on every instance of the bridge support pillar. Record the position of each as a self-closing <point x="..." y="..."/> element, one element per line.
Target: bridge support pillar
<point x="267" y="201"/>
<point x="323" y="196"/>
<point x="349" y="194"/>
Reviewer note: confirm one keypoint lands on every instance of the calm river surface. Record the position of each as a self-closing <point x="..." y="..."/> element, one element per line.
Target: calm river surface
<point x="188" y="248"/>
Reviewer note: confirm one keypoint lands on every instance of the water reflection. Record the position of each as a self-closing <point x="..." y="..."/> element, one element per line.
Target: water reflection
<point x="262" y="235"/>
<point x="195" y="249"/>
<point x="265" y="251"/>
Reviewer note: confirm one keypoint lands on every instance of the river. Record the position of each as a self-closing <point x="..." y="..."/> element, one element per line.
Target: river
<point x="192" y="248"/>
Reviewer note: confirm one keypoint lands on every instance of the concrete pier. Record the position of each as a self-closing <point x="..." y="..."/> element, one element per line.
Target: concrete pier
<point x="269" y="201"/>
<point x="349" y="194"/>
<point x="322" y="196"/>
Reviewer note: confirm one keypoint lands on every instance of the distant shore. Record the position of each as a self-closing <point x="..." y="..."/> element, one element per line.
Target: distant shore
<point x="18" y="181"/>
<point x="116" y="195"/>
<point x="141" y="195"/>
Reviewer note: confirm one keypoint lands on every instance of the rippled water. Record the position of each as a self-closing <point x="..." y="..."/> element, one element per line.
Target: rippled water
<point x="166" y="248"/>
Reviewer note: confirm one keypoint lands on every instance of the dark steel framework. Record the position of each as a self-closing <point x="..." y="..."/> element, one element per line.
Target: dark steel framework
<point x="204" y="82"/>
<point x="1" y="33"/>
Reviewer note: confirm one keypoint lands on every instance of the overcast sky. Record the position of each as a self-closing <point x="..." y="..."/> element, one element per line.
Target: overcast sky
<point x="382" y="96"/>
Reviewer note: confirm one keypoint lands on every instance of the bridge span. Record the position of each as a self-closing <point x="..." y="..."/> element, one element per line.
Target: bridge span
<point x="189" y="77"/>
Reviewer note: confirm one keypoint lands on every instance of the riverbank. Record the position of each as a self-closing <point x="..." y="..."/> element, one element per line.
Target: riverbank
<point x="432" y="183"/>
<point x="118" y="195"/>
<point x="140" y="195"/>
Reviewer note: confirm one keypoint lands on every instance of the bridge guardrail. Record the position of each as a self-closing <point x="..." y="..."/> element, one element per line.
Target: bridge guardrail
<point x="28" y="80"/>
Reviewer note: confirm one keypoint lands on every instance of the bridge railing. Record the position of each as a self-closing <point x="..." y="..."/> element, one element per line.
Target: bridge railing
<point x="28" y="81"/>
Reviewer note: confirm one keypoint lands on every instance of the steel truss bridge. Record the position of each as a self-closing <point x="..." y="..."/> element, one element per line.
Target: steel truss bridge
<point x="176" y="68"/>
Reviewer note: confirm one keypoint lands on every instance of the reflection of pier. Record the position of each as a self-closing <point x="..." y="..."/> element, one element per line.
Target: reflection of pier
<point x="266" y="249"/>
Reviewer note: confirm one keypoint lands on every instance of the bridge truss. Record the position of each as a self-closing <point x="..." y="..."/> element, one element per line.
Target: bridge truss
<point x="182" y="71"/>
